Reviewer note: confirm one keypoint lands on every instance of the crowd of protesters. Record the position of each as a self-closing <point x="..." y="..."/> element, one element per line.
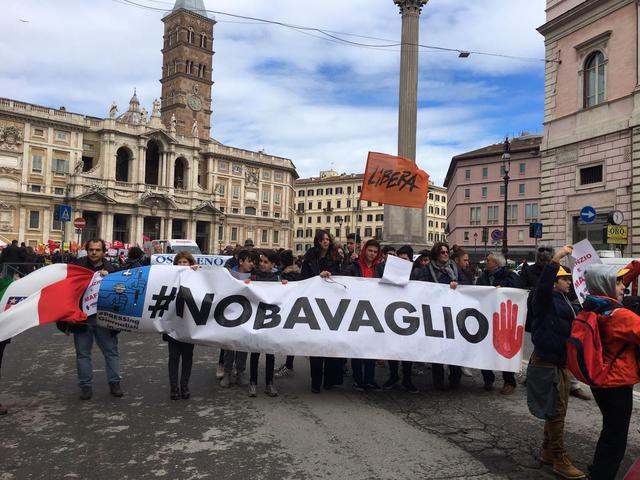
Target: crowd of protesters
<point x="552" y="308"/>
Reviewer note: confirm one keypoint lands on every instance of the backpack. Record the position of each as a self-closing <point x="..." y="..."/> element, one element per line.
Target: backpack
<point x="585" y="355"/>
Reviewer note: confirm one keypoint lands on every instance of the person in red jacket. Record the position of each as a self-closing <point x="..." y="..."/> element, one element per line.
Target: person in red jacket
<point x="620" y="335"/>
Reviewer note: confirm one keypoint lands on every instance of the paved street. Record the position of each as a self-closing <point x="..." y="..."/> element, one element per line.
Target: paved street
<point x="223" y="434"/>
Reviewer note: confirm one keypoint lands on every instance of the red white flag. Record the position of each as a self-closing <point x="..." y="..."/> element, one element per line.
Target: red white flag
<point x="47" y="295"/>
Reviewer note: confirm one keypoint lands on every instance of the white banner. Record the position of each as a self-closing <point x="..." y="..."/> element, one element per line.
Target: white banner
<point x="205" y="261"/>
<point x="477" y="327"/>
<point x="90" y="297"/>
<point x="582" y="256"/>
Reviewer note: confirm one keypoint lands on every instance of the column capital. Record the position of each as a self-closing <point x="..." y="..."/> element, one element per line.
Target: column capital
<point x="412" y="6"/>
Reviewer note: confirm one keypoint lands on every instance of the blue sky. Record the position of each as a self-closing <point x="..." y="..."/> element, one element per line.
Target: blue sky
<point x="321" y="103"/>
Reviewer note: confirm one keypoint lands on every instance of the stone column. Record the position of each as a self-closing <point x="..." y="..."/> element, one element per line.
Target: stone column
<point x="142" y="157"/>
<point x="407" y="225"/>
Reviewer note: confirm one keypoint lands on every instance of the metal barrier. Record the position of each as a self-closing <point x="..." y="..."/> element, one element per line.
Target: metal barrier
<point x="19" y="270"/>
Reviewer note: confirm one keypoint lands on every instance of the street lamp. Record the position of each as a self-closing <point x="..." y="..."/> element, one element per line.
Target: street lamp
<point x="340" y="221"/>
<point x="506" y="165"/>
<point x="475" y="244"/>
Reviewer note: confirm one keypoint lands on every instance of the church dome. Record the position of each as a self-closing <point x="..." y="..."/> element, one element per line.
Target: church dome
<point x="133" y="115"/>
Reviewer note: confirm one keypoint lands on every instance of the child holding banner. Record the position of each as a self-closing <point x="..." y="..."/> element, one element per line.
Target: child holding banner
<point x="267" y="272"/>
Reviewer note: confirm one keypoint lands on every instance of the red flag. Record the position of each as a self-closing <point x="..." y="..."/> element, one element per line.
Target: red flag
<point x="394" y="181"/>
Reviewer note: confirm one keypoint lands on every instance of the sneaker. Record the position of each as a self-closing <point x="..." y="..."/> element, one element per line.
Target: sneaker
<point x="3" y="410"/>
<point x="115" y="390"/>
<point x="467" y="372"/>
<point x="488" y="386"/>
<point x="284" y="371"/>
<point x="374" y="387"/>
<point x="508" y="389"/>
<point x="271" y="390"/>
<point x="390" y="384"/>
<point x="563" y="466"/>
<point x="240" y="381"/>
<point x="220" y="371"/>
<point x="184" y="393"/>
<point x="86" y="393"/>
<point x="175" y="394"/>
<point x="410" y="387"/>
<point x="226" y="381"/>
<point x="579" y="393"/>
<point x="253" y="390"/>
<point x="358" y="387"/>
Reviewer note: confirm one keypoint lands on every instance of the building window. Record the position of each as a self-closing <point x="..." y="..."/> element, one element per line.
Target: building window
<point x="369" y="218"/>
<point x="265" y="199"/>
<point x="34" y="219"/>
<point x="249" y="211"/>
<point x="299" y="233"/>
<point x="319" y="192"/>
<point x="512" y="213"/>
<point x="278" y="176"/>
<point x="56" y="224"/>
<point x="430" y="223"/>
<point x="310" y="205"/>
<point x="61" y="136"/>
<point x="431" y="196"/>
<point x="265" y="213"/>
<point x="522" y="168"/>
<point x="502" y="190"/>
<point x="484" y="192"/>
<point x="309" y="193"/>
<point x="35" y="188"/>
<point x="338" y="190"/>
<point x="338" y="204"/>
<point x="492" y="214"/>
<point x="502" y="171"/>
<point x="308" y="233"/>
<point x="437" y="210"/>
<point x="474" y="215"/>
<point x="443" y="212"/>
<point x="220" y="189"/>
<point x="234" y="234"/>
<point x="235" y="192"/>
<point x="594" y="79"/>
<point x="437" y="198"/>
<point x="203" y="41"/>
<point x="277" y="198"/>
<point x="467" y="193"/>
<point x="466" y="236"/>
<point x="359" y="188"/>
<point x="531" y="212"/>
<point x="237" y="169"/>
<point x="319" y="205"/>
<point x="485" y="172"/>
<point x="58" y="191"/>
<point x="467" y="174"/>
<point x="318" y="219"/>
<point x="60" y="166"/>
<point x="276" y="237"/>
<point x="591" y="175"/>
<point x="329" y="191"/>
<point x="301" y="193"/>
<point x="266" y="175"/>
<point x="328" y="218"/>
<point x="520" y="235"/>
<point x="379" y="217"/>
<point x="235" y="210"/>
<point x="36" y="163"/>
<point x="223" y="166"/>
<point x="430" y="209"/>
<point x="38" y="132"/>
<point x="264" y="236"/>
<point x="368" y="231"/>
<point x="521" y="189"/>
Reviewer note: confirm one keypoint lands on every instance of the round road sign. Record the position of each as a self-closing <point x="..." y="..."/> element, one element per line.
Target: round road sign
<point x="79" y="222"/>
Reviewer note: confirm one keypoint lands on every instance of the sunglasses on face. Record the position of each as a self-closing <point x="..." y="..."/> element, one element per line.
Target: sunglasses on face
<point x="444" y="252"/>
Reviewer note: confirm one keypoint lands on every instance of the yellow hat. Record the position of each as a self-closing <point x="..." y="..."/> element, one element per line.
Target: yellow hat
<point x="562" y="272"/>
<point x="622" y="272"/>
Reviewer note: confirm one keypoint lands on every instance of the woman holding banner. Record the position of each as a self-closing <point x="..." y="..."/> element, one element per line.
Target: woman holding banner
<point x="322" y="259"/>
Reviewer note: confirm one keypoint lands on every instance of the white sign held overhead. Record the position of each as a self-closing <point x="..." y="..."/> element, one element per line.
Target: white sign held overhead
<point x="582" y="256"/>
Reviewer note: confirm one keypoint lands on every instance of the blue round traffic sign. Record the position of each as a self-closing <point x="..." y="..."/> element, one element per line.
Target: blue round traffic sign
<point x="496" y="235"/>
<point x="588" y="214"/>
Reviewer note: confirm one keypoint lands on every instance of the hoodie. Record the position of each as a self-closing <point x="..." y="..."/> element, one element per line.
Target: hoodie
<point x="619" y="327"/>
<point x="360" y="267"/>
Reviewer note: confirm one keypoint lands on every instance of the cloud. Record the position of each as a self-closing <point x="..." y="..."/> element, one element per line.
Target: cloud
<point x="313" y="100"/>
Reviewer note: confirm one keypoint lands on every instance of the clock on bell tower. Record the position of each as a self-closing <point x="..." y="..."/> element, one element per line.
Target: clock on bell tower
<point x="187" y="58"/>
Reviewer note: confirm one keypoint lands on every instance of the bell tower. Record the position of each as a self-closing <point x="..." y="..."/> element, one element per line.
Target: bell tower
<point x="187" y="59"/>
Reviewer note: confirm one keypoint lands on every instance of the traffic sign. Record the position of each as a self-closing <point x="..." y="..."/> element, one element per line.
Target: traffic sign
<point x="62" y="213"/>
<point x="616" y="234"/>
<point x="496" y="235"/>
<point x="535" y="230"/>
<point x="79" y="223"/>
<point x="588" y="214"/>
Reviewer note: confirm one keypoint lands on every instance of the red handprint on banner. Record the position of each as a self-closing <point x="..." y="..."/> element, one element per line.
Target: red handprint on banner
<point x="507" y="334"/>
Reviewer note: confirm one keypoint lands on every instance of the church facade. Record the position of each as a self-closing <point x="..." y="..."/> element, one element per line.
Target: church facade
<point x="141" y="175"/>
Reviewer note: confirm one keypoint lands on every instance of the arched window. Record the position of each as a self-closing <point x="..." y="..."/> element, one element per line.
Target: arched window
<point x="203" y="41"/>
<point x="122" y="164"/>
<point x="187" y="69"/>
<point x="594" y="79"/>
<point x="191" y="35"/>
<point x="204" y="71"/>
<point x="179" y="174"/>
<point x="152" y="164"/>
<point x="249" y="211"/>
<point x="175" y="66"/>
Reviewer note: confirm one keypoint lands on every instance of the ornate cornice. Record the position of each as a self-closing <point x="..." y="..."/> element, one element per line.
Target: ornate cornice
<point x="410" y="6"/>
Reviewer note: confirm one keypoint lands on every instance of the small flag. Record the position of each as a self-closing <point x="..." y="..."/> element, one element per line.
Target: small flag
<point x="394" y="181"/>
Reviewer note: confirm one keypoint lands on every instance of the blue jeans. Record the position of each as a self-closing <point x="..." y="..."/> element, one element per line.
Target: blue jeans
<point x="108" y="344"/>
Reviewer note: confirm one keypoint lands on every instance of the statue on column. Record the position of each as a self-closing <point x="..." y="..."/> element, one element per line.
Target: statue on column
<point x="143" y="116"/>
<point x="194" y="129"/>
<point x="155" y="112"/>
<point x="113" y="111"/>
<point x="173" y="123"/>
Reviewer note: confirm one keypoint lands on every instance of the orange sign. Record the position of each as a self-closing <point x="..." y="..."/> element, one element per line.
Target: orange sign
<point x="394" y="181"/>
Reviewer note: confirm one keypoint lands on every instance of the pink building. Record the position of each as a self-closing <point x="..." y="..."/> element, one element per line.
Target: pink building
<point x="476" y="197"/>
<point x="591" y="145"/>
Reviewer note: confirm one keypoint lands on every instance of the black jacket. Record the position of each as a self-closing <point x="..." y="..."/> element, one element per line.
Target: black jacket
<point x="313" y="264"/>
<point x="258" y="276"/>
<point x="432" y="273"/>
<point x="12" y="254"/>
<point x="501" y="277"/>
<point x="465" y="277"/>
<point x="553" y="315"/>
<point x="530" y="275"/>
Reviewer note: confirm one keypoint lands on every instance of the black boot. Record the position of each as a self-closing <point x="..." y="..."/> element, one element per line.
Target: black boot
<point x="175" y="393"/>
<point x="184" y="392"/>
